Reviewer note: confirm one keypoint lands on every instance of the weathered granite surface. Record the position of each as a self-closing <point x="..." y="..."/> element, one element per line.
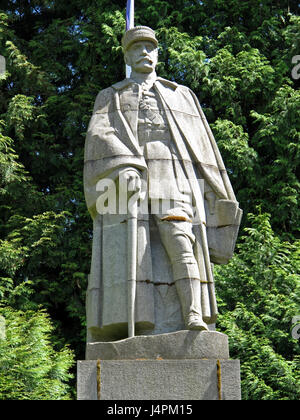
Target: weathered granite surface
<point x="159" y="380"/>
<point x="185" y="365"/>
<point x="179" y="345"/>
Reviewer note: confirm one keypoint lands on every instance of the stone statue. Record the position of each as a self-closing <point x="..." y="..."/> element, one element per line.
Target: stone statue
<point x="151" y="136"/>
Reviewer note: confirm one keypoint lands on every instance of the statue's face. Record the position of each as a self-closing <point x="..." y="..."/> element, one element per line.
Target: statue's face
<point x="142" y="56"/>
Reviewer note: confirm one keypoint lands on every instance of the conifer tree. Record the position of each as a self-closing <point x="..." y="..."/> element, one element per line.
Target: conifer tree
<point x="237" y="57"/>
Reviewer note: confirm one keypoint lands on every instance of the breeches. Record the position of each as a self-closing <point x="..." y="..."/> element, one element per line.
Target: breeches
<point x="175" y="229"/>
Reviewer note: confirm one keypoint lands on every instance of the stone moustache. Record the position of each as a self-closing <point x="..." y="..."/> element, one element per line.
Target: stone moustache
<point x="154" y="271"/>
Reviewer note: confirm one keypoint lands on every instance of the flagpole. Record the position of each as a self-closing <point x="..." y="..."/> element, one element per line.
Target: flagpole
<point x="129" y="25"/>
<point x="132" y="218"/>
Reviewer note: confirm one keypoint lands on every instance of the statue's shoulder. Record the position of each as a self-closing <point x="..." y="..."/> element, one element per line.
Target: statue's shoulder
<point x="168" y="83"/>
<point x="103" y="99"/>
<point x="105" y="93"/>
<point x="173" y="85"/>
<point x="182" y="93"/>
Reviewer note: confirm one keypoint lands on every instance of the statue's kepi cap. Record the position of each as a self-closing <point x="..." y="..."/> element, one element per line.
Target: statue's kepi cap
<point x="139" y="33"/>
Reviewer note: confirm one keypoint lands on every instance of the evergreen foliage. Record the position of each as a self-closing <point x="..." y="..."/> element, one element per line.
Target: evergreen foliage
<point x="30" y="369"/>
<point x="237" y="57"/>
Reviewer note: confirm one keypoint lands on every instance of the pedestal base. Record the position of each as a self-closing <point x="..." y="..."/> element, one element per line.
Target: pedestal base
<point x="186" y="365"/>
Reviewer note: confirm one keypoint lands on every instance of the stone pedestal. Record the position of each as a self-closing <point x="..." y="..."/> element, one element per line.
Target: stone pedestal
<point x="186" y="365"/>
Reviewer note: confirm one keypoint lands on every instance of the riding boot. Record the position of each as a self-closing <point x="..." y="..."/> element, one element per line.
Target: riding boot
<point x="189" y="293"/>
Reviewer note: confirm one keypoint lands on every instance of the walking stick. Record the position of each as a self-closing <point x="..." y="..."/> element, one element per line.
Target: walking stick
<point x="132" y="260"/>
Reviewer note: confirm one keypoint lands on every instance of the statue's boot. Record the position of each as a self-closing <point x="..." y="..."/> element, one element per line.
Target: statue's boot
<point x="189" y="293"/>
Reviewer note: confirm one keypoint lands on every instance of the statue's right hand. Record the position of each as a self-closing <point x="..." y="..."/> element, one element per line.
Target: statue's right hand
<point x="132" y="178"/>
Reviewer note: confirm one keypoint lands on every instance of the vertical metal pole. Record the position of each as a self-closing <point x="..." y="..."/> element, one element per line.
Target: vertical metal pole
<point x="129" y="25"/>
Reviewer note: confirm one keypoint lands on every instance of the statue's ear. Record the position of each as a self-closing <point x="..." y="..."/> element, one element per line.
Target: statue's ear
<point x="126" y="59"/>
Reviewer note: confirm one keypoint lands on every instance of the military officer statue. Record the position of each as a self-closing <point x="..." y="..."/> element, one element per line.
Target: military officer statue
<point x="148" y="131"/>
